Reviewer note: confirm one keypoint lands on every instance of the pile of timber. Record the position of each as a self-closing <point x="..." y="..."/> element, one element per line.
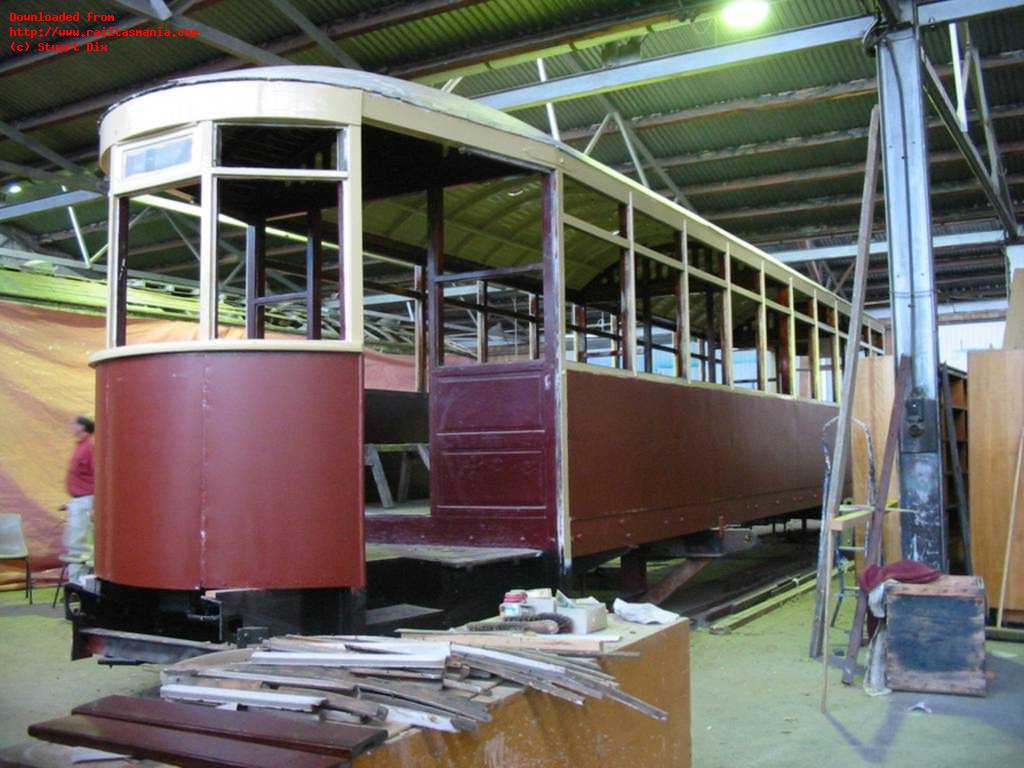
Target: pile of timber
<point x="320" y="701"/>
<point x="380" y="681"/>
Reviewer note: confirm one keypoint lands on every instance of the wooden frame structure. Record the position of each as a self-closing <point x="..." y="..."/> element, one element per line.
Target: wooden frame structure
<point x="641" y="395"/>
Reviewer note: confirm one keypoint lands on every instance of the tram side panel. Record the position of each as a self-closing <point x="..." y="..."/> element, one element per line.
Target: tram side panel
<point x="230" y="470"/>
<point x="650" y="460"/>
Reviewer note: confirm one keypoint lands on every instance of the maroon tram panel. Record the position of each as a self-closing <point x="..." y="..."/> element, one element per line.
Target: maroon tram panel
<point x="650" y="461"/>
<point x="492" y="460"/>
<point x="230" y="469"/>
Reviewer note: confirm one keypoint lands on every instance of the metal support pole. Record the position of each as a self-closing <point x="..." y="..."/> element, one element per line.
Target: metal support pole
<point x="255" y="278"/>
<point x="419" y="279"/>
<point x="549" y="107"/>
<point x="435" y="267"/>
<point x="912" y="281"/>
<point x="597" y="134"/>
<point x="959" y="75"/>
<point x="314" y="274"/>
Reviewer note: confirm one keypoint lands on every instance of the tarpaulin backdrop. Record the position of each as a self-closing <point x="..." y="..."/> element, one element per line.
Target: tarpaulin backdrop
<point x="46" y="381"/>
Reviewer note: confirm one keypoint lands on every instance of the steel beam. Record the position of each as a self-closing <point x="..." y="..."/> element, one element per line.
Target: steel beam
<point x="154" y="9"/>
<point x="227" y="43"/>
<point x="632" y="142"/>
<point x="542" y="73"/>
<point x="939" y="242"/>
<point x="993" y="190"/>
<point x="215" y="38"/>
<point x="790" y="144"/>
<point x="862" y="87"/>
<point x="39" y="148"/>
<point x="316" y="34"/>
<point x="44" y="204"/>
<point x="75" y="179"/>
<point x="694" y="62"/>
<point x="912" y="285"/>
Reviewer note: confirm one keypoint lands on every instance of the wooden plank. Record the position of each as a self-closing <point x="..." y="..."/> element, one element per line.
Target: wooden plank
<point x="510" y="641"/>
<point x="844" y="393"/>
<point x="1014" y="506"/>
<point x="858" y="517"/>
<point x="409" y="661"/>
<point x="371" y="458"/>
<point x="676" y="577"/>
<point x="152" y="743"/>
<point x="254" y="727"/>
<point x="995" y="402"/>
<point x="264" y="699"/>
<point x="737" y="620"/>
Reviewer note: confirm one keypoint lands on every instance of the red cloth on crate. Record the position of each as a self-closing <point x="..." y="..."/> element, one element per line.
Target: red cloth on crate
<point x="907" y="571"/>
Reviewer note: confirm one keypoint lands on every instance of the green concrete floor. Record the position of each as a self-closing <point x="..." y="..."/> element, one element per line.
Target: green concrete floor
<point x="755" y="698"/>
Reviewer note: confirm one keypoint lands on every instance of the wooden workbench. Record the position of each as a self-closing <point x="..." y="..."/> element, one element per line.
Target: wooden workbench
<point x="533" y="730"/>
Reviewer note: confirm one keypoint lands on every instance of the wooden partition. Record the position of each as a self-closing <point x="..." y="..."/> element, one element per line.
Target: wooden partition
<point x="996" y="406"/>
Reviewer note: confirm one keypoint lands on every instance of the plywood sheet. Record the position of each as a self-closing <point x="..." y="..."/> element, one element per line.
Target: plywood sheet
<point x="876" y="380"/>
<point x="1013" y="335"/>
<point x="995" y="397"/>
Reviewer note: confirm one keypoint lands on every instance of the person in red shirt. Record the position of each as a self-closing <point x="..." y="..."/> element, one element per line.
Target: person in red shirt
<point x="79" y="482"/>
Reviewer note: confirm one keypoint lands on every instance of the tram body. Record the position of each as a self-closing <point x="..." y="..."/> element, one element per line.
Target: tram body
<point x="239" y="464"/>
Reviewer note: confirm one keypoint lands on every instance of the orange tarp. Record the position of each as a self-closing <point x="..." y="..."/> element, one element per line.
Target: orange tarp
<point x="46" y="381"/>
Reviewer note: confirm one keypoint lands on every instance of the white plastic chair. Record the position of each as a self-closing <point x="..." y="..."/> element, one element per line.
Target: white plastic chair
<point x="14" y="547"/>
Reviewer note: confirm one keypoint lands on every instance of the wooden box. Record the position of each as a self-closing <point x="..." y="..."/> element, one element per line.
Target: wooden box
<point x="936" y="636"/>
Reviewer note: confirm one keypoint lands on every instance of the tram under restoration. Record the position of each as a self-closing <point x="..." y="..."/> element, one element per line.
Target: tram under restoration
<point x="670" y="378"/>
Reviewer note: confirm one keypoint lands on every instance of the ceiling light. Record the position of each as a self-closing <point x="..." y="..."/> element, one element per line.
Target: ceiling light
<point x="13" y="188"/>
<point x="745" y="14"/>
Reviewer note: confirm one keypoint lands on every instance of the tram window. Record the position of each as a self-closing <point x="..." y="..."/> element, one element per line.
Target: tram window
<point x="705" y="257"/>
<point x="594" y="264"/>
<point x="706" y="311"/>
<point x="826" y="366"/>
<point x="744" y="275"/>
<point x="296" y="147"/>
<point x="745" y="313"/>
<point x="804" y="359"/>
<point x="654" y="234"/>
<point x="591" y="206"/>
<point x="599" y="345"/>
<point x="294" y="232"/>
<point x="655" y="316"/>
<point x="777" y="351"/>
<point x="159" y="236"/>
<point x="776" y="290"/>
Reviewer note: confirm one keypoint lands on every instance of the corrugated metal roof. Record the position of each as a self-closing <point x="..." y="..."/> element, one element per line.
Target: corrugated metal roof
<point x="742" y="147"/>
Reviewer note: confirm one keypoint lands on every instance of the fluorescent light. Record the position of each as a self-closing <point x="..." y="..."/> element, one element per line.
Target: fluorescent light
<point x="745" y="14"/>
<point x="13" y="188"/>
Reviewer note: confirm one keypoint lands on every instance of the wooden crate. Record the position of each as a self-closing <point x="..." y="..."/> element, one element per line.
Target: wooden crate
<point x="996" y="407"/>
<point x="936" y="636"/>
